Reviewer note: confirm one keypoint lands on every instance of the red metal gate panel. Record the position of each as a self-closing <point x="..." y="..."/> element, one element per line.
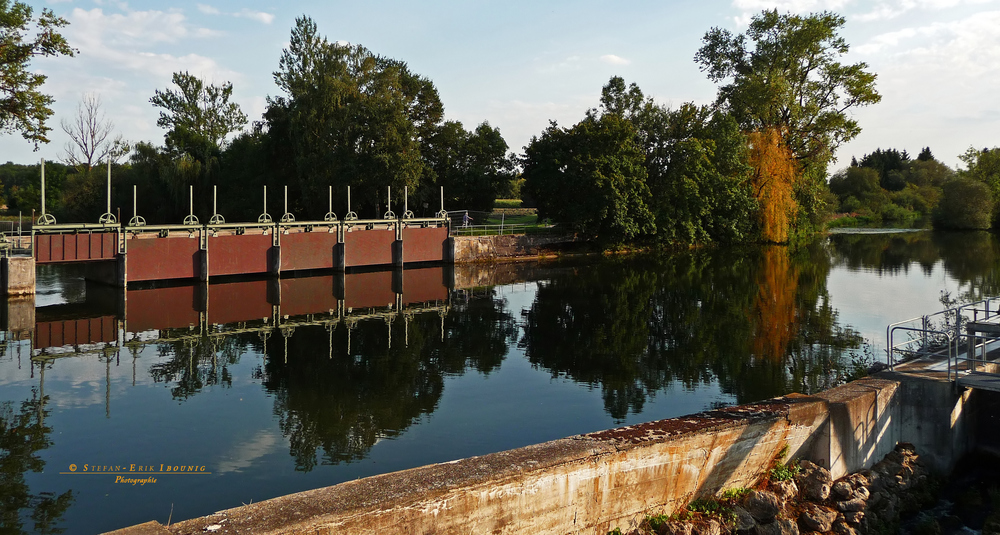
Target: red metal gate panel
<point x="83" y="247"/>
<point x="369" y="247"/>
<point x="424" y="244"/>
<point x="75" y="332"/>
<point x="369" y="290"/>
<point x="308" y="250"/>
<point x="424" y="285"/>
<point x="151" y="259"/>
<point x="161" y="308"/>
<point x="234" y="255"/>
<point x="233" y="302"/>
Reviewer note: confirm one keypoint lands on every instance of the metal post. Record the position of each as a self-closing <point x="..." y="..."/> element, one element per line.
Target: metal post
<point x="109" y="186"/>
<point x="43" y="188"/>
<point x="265" y="198"/>
<point x="330" y="204"/>
<point x="135" y="204"/>
<point x="286" y="199"/>
<point x="191" y="198"/>
<point x="215" y="193"/>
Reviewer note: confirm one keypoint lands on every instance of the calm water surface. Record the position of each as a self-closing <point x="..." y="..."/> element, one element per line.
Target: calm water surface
<point x="278" y="387"/>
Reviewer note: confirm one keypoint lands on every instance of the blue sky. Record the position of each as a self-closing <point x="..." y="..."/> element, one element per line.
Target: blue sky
<point x="520" y="64"/>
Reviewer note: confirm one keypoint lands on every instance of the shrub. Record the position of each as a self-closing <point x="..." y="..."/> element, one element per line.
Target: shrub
<point x="965" y="204"/>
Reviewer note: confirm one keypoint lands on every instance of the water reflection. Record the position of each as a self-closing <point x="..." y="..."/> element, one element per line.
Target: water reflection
<point x="336" y="369"/>
<point x="757" y="320"/>
<point x="23" y="435"/>
<point x="971" y="258"/>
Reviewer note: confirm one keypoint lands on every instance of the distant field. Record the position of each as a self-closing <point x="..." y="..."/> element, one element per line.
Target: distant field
<point x="507" y="203"/>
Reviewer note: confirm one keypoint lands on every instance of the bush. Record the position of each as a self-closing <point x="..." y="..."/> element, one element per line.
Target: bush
<point x="965" y="204"/>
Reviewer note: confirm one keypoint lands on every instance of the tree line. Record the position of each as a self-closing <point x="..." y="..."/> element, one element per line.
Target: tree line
<point x="750" y="167"/>
<point x="346" y="117"/>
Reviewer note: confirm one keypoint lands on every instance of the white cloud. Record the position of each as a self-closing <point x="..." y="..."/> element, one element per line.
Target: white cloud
<point x="208" y="10"/>
<point x="895" y="8"/>
<point x="938" y="83"/>
<point x="259" y="16"/>
<point x="123" y="40"/>
<point x="244" y="453"/>
<point x="614" y="60"/>
<point x="794" y="6"/>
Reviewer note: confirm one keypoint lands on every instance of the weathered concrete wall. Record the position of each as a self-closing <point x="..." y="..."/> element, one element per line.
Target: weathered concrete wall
<point x="17" y="274"/>
<point x="593" y="483"/>
<point x="491" y="248"/>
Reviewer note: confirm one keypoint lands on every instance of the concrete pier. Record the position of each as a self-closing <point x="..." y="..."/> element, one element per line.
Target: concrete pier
<point x="18" y="275"/>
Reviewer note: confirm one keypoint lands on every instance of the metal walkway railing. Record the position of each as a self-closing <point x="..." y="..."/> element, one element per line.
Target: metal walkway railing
<point x="966" y="337"/>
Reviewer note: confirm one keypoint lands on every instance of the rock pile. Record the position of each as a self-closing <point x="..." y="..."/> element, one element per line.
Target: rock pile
<point x="869" y="501"/>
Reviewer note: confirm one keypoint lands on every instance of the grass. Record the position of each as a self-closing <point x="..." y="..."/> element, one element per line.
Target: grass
<point x="526" y="219"/>
<point x="507" y="203"/>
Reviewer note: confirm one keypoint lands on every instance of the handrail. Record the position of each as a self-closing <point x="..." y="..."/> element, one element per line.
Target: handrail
<point x="890" y="360"/>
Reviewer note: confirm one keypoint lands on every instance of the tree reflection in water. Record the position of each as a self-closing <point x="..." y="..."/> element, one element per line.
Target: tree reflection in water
<point x="23" y="434"/>
<point x="334" y="408"/>
<point x="757" y="320"/>
<point x="971" y="258"/>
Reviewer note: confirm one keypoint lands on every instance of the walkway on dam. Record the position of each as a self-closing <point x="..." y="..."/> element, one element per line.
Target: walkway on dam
<point x="960" y="344"/>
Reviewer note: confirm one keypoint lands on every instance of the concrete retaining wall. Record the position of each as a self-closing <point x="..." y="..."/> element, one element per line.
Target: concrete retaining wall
<point x="593" y="483"/>
<point x="491" y="248"/>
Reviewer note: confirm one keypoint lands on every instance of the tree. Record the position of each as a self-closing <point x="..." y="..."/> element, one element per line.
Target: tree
<point x="23" y="107"/>
<point x="966" y="204"/>
<point x="473" y="167"/>
<point x="773" y="183"/>
<point x="696" y="166"/>
<point x="984" y="166"/>
<point x="890" y="164"/>
<point x="349" y="118"/>
<point x="788" y="78"/>
<point x="592" y="176"/>
<point x="89" y="135"/>
<point x="197" y="114"/>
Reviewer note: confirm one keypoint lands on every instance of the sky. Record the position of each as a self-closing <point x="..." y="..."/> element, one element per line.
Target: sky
<point x="521" y="64"/>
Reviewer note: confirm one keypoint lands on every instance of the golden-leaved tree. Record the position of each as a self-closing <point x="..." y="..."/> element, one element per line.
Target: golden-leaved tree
<point x="774" y="172"/>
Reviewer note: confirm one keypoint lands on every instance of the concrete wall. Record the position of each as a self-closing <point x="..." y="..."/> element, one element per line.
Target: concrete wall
<point x="491" y="248"/>
<point x="593" y="483"/>
<point x="17" y="274"/>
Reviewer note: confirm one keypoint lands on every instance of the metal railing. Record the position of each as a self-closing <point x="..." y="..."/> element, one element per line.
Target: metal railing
<point x="965" y="351"/>
<point x="488" y="230"/>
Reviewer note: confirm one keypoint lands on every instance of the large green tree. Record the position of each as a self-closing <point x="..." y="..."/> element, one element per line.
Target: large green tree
<point x="349" y="118"/>
<point x="784" y="73"/>
<point x="473" y="167"/>
<point x="696" y="166"/>
<point x="23" y="107"/>
<point x="591" y="176"/>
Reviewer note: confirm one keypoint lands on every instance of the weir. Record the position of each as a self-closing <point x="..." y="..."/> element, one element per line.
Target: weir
<point x="119" y="254"/>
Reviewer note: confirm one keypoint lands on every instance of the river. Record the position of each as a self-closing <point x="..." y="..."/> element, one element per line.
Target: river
<point x="255" y="389"/>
